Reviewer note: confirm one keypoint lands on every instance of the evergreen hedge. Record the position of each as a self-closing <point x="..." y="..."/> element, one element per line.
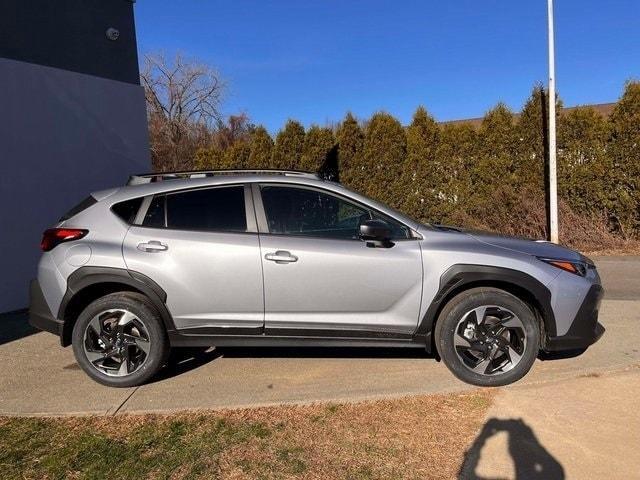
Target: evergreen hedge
<point x="489" y="177"/>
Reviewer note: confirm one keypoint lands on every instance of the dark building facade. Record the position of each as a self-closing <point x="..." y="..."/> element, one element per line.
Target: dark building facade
<point x="72" y="119"/>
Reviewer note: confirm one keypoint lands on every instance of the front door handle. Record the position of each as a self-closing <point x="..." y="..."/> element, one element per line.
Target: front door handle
<point x="152" y="246"/>
<point x="281" y="256"/>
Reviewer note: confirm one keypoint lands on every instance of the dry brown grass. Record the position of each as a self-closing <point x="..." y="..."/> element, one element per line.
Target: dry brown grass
<point x="522" y="213"/>
<point x="417" y="437"/>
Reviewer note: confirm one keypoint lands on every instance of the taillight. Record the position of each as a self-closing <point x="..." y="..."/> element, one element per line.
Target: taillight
<point x="55" y="236"/>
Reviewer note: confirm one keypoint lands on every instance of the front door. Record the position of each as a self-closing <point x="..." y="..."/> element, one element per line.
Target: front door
<point x="321" y="279"/>
<point x="201" y="246"/>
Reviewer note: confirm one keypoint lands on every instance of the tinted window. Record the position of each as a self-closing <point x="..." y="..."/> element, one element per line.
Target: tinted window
<point x="127" y="210"/>
<point x="83" y="205"/>
<point x="296" y="211"/>
<point x="215" y="209"/>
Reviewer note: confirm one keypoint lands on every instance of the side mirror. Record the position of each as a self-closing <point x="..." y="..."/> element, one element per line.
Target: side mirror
<point x="376" y="233"/>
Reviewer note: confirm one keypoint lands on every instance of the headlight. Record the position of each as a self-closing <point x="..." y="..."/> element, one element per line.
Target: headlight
<point x="571" y="266"/>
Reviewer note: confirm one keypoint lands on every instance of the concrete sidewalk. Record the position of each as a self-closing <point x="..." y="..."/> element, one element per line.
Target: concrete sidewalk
<point x="584" y="428"/>
<point x="40" y="378"/>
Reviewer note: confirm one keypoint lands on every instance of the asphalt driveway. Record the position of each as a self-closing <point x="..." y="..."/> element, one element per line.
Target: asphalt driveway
<point x="41" y="378"/>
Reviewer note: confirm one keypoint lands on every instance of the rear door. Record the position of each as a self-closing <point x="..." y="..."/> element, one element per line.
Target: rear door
<point x="201" y="246"/>
<point x="321" y="279"/>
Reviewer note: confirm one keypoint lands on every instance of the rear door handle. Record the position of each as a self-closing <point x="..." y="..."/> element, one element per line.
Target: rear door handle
<point x="281" y="256"/>
<point x="152" y="246"/>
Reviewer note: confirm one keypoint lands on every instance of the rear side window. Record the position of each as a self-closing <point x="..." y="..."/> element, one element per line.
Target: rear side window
<point x="214" y="209"/>
<point x="83" y="205"/>
<point x="127" y="210"/>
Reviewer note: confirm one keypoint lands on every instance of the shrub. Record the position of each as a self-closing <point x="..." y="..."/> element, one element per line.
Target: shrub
<point x="624" y="150"/>
<point x="318" y="145"/>
<point x="211" y="158"/>
<point x="261" y="149"/>
<point x="350" y="138"/>
<point x="288" y="146"/>
<point x="583" y="163"/>
<point x="420" y="178"/>
<point x="384" y="151"/>
<point x="237" y="155"/>
<point x="457" y="157"/>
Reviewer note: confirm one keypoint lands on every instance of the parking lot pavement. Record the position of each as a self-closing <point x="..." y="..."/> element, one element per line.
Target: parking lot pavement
<point x="620" y="276"/>
<point x="41" y="378"/>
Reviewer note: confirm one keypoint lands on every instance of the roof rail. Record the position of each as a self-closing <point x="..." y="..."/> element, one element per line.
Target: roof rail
<point x="142" y="178"/>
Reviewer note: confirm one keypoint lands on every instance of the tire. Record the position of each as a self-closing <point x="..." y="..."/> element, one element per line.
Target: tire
<point x="123" y="335"/>
<point x="476" y="352"/>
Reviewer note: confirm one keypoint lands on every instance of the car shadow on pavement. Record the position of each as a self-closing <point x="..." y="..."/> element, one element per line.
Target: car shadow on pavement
<point x="14" y="326"/>
<point x="184" y="359"/>
<point x="323" y="352"/>
<point x="531" y="461"/>
<point x="561" y="355"/>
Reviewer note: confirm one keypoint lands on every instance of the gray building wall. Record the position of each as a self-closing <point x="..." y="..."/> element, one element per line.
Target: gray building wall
<point x="71" y="35"/>
<point x="69" y="124"/>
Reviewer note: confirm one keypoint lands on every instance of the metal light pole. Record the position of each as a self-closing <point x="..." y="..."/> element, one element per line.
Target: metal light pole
<point x="553" y="180"/>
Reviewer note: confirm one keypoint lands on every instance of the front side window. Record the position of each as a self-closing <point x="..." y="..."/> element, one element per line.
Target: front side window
<point x="213" y="209"/>
<point x="306" y="212"/>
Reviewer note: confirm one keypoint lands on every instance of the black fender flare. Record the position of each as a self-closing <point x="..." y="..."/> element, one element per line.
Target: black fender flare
<point x="461" y="277"/>
<point x="85" y="277"/>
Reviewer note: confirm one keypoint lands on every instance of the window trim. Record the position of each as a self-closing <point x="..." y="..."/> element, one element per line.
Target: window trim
<point x="142" y="211"/>
<point x="263" y="225"/>
<point x="250" y="215"/>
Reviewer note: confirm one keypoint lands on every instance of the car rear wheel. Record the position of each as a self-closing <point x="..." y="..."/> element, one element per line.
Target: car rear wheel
<point x="487" y="337"/>
<point x="119" y="340"/>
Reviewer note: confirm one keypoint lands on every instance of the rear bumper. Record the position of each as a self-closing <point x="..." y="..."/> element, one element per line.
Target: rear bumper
<point x="39" y="314"/>
<point x="585" y="329"/>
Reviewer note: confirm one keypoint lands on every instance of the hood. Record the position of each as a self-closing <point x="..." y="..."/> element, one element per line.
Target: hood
<point x="538" y="248"/>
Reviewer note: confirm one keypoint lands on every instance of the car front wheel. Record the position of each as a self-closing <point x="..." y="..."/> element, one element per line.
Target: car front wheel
<point x="487" y="337"/>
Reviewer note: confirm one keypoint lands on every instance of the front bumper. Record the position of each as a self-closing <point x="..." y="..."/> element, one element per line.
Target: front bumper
<point x="585" y="329"/>
<point x="40" y="315"/>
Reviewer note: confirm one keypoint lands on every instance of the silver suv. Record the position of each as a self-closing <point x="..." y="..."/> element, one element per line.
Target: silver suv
<point x="285" y="258"/>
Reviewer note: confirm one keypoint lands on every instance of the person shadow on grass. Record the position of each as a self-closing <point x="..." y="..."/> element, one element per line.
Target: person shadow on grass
<point x="531" y="460"/>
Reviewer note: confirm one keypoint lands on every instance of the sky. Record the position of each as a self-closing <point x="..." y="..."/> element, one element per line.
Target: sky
<point x="315" y="60"/>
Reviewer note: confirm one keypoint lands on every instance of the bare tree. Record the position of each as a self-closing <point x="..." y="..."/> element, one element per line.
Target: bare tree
<point x="183" y="105"/>
<point x="231" y="130"/>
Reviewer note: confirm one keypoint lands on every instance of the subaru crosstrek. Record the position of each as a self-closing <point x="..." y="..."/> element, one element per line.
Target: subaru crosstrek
<point x="285" y="258"/>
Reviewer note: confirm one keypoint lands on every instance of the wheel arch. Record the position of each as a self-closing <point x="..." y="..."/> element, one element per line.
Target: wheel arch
<point x="461" y="277"/>
<point x="90" y="283"/>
